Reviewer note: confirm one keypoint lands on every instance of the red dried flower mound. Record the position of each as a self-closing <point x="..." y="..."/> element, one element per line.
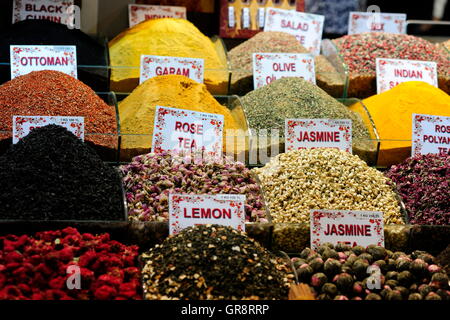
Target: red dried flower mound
<point x="42" y="267"/>
<point x="424" y="183"/>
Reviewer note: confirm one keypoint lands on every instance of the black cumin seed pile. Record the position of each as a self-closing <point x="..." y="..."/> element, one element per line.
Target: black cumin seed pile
<point x="52" y="175"/>
<point x="212" y="262"/>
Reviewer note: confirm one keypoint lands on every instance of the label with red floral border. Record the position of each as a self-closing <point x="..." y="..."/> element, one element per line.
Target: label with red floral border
<point x="318" y="133"/>
<point x="306" y="27"/>
<point x="22" y="125"/>
<point x="25" y="59"/>
<point x="354" y="228"/>
<point x="430" y="134"/>
<point x="141" y="12"/>
<point x="152" y="66"/>
<point x="186" y="210"/>
<point x="392" y="72"/>
<point x="268" y="67"/>
<point x="60" y="11"/>
<point x="186" y="131"/>
<point x="360" y="22"/>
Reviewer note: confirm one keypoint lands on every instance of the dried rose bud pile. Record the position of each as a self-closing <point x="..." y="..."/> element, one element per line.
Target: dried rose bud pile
<point x="342" y="273"/>
<point x="212" y="262"/>
<point x="36" y="267"/>
<point x="150" y="178"/>
<point x="423" y="183"/>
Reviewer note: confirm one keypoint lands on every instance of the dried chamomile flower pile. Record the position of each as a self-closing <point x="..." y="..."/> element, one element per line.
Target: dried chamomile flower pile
<point x="213" y="262"/>
<point x="298" y="181"/>
<point x="150" y="178"/>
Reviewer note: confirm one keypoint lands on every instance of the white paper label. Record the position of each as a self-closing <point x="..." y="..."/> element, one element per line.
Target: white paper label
<point x="190" y="210"/>
<point x="392" y="72"/>
<point x="152" y="66"/>
<point x="360" y="22"/>
<point x="430" y="134"/>
<point x="354" y="228"/>
<point x="25" y="59"/>
<point x="22" y="125"/>
<point x="268" y="67"/>
<point x="318" y="133"/>
<point x="261" y="17"/>
<point x="231" y="18"/>
<point x="306" y="27"/>
<point x="60" y="11"/>
<point x="185" y="131"/>
<point x="245" y="18"/>
<point x="140" y="12"/>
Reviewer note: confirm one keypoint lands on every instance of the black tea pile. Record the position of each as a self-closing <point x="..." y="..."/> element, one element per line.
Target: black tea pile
<point x="210" y="262"/>
<point x="52" y="175"/>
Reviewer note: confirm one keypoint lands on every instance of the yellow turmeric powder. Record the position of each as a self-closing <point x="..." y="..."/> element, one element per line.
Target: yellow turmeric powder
<point x="137" y="111"/>
<point x="392" y="112"/>
<point x="164" y="37"/>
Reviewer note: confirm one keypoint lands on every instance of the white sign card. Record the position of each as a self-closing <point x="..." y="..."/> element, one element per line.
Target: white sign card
<point x="22" y="125"/>
<point x="59" y="11"/>
<point x="306" y="27"/>
<point x="430" y="134"/>
<point x="354" y="228"/>
<point x="25" y="59"/>
<point x="152" y="66"/>
<point x="318" y="133"/>
<point x="392" y="72"/>
<point x="138" y="13"/>
<point x="189" y="210"/>
<point x="268" y="67"/>
<point x="361" y="22"/>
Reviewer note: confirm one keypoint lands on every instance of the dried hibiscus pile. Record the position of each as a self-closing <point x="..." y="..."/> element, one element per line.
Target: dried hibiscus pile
<point x="39" y="267"/>
<point x="423" y="182"/>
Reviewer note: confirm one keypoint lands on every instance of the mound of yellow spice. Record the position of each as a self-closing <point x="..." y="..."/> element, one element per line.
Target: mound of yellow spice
<point x="392" y="113"/>
<point x="163" y="37"/>
<point x="137" y="111"/>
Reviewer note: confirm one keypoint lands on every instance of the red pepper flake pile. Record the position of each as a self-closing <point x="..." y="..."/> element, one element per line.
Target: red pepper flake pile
<point x="361" y="50"/>
<point x="424" y="183"/>
<point x="53" y="93"/>
<point x="36" y="267"/>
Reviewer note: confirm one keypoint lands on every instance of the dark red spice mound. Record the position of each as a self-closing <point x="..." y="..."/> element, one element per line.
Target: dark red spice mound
<point x="53" y="93"/>
<point x="424" y="183"/>
<point x="36" y="267"/>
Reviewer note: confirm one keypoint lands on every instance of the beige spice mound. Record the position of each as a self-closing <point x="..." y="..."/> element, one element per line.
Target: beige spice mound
<point x="301" y="180"/>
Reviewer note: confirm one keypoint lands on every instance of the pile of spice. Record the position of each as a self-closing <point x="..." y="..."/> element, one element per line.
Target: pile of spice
<point x="392" y="111"/>
<point x="211" y="262"/>
<point x="423" y="182"/>
<point x="298" y="181"/>
<point x="361" y="50"/>
<point x="44" y="32"/>
<point x="52" y="175"/>
<point x="164" y="37"/>
<point x="137" y="111"/>
<point x="446" y="45"/>
<point x="341" y="273"/>
<point x="150" y="178"/>
<point x="53" y="93"/>
<point x="43" y="267"/>
<point x="289" y="98"/>
<point x="241" y="61"/>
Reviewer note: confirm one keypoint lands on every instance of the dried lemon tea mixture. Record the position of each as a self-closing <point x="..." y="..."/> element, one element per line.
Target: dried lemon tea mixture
<point x="298" y="181"/>
<point x="215" y="263"/>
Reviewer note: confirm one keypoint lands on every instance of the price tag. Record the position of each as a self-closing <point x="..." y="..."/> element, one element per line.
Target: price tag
<point x="25" y="59"/>
<point x="354" y="228"/>
<point x="268" y="67"/>
<point x="152" y="66"/>
<point x="185" y="131"/>
<point x="22" y="125"/>
<point x="430" y="134"/>
<point x="306" y="27"/>
<point x="360" y="22"/>
<point x="189" y="210"/>
<point x="318" y="133"/>
<point x="392" y="72"/>
<point x="140" y="12"/>
<point x="59" y="11"/>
